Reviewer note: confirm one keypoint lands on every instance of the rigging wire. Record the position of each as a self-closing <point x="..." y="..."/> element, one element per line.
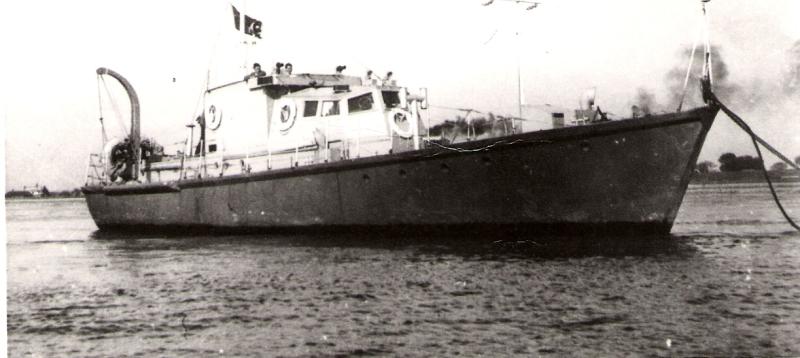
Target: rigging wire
<point x="688" y="74"/>
<point x="115" y="107"/>
<point x="100" y="106"/>
<point x="491" y="37"/>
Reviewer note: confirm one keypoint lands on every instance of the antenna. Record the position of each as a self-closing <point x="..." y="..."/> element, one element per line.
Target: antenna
<point x="533" y="5"/>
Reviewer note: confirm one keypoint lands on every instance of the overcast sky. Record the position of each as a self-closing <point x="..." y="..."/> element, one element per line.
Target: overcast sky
<point x="465" y="53"/>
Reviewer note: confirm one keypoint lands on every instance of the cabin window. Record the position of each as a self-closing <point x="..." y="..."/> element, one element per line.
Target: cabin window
<point x="360" y="103"/>
<point x="330" y="108"/>
<point x="212" y="148"/>
<point x="310" y="108"/>
<point x="391" y="99"/>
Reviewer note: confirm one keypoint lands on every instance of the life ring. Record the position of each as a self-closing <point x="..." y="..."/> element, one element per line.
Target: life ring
<point x="286" y="114"/>
<point x="398" y="116"/>
<point x="214" y="116"/>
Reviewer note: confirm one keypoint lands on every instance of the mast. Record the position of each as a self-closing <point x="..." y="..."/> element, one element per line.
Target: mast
<point x="135" y="136"/>
<point x="519" y="86"/>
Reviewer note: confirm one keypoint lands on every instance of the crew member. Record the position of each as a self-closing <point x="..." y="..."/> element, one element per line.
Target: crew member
<point x="388" y="80"/>
<point x="369" y="78"/>
<point x="287" y="69"/>
<point x="277" y="69"/>
<point x="257" y="72"/>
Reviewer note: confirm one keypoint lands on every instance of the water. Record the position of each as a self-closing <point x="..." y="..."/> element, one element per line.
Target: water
<point x="726" y="283"/>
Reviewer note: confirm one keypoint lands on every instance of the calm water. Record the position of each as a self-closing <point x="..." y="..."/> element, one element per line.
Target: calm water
<point x="727" y="282"/>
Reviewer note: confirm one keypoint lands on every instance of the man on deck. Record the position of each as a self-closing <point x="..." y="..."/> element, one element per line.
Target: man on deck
<point x="257" y="72"/>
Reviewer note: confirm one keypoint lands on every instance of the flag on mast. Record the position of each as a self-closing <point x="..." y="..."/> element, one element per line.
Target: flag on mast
<point x="237" y="16"/>
<point x="252" y="26"/>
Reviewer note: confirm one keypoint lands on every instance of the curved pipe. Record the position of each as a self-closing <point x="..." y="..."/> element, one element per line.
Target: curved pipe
<point x="135" y="121"/>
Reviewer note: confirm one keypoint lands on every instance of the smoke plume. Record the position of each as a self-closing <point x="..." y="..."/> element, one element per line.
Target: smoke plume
<point x="791" y="83"/>
<point x="723" y="87"/>
<point x="645" y="102"/>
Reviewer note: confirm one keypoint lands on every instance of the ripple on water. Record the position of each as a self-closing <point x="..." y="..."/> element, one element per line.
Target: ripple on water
<point x="727" y="283"/>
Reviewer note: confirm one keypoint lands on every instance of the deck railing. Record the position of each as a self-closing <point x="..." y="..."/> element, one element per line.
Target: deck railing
<point x="95" y="170"/>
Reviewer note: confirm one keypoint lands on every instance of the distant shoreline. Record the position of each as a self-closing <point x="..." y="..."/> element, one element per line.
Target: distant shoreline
<point x="745" y="176"/>
<point x="46" y="198"/>
<point x="740" y="177"/>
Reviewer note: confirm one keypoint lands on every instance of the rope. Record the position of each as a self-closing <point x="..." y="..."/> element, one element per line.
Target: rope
<point x="756" y="141"/>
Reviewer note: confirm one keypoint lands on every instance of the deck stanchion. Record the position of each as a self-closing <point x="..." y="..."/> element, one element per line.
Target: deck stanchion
<point x="327" y="144"/>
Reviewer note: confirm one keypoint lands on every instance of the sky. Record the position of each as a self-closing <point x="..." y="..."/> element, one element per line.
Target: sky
<point x="466" y="55"/>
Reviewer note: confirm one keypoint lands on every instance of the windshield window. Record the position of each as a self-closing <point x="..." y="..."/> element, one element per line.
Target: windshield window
<point x="310" y="108"/>
<point x="360" y="103"/>
<point x="391" y="99"/>
<point x="330" y="108"/>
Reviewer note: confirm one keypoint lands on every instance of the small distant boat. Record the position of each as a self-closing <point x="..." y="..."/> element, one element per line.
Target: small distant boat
<point x="337" y="152"/>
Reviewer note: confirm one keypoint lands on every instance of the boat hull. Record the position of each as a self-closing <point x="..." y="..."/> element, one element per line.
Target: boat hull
<point x="617" y="177"/>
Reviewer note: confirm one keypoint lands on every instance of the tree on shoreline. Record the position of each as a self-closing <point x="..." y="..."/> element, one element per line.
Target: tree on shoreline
<point x="729" y="162"/>
<point x="778" y="167"/>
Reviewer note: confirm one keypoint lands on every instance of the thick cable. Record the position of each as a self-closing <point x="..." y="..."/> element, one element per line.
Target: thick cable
<point x="756" y="140"/>
<point x="741" y="123"/>
<point x="771" y="188"/>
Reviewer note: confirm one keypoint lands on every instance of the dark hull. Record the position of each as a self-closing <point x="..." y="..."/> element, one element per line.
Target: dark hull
<point x="625" y="177"/>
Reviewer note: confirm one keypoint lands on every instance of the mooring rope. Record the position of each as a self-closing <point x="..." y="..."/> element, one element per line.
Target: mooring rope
<point x="756" y="141"/>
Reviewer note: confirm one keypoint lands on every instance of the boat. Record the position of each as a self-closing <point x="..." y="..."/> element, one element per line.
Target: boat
<point x="332" y="152"/>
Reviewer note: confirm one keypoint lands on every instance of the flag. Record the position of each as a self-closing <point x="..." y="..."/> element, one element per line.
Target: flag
<point x="252" y="26"/>
<point x="236" y="18"/>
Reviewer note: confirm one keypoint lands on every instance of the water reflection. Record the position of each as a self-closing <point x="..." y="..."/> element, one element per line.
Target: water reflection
<point x="474" y="247"/>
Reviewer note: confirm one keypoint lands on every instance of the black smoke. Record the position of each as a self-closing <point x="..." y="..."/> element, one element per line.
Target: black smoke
<point x="645" y="103"/>
<point x="723" y="87"/>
